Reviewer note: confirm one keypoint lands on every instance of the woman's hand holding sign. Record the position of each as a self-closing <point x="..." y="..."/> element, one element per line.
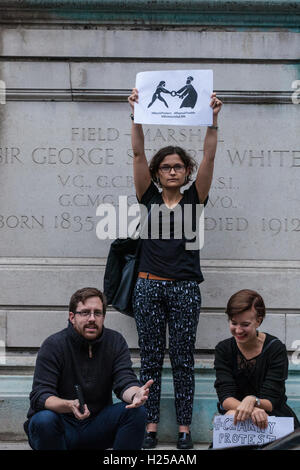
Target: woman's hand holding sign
<point x="133" y="98"/>
<point x="215" y="104"/>
<point x="247" y="409"/>
<point x="244" y="409"/>
<point x="260" y="418"/>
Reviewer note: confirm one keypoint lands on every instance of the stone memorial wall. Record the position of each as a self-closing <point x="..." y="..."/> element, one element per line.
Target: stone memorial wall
<point x="65" y="149"/>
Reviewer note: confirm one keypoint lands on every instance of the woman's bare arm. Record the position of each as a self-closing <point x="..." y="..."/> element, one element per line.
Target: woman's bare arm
<point x="206" y="168"/>
<point x="141" y="173"/>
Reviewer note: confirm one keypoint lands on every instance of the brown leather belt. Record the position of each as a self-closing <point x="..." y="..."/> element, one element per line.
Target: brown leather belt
<point x="153" y="276"/>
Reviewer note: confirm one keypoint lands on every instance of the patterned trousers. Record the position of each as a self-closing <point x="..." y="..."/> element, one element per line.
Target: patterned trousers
<point x="155" y="304"/>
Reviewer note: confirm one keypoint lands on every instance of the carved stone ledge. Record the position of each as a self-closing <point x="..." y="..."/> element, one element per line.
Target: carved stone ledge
<point x="236" y="97"/>
<point x="145" y="14"/>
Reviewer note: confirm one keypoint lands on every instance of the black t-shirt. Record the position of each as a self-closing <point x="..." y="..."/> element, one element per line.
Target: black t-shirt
<point x="167" y="255"/>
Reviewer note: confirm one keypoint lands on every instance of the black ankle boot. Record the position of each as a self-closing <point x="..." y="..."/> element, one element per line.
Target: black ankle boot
<point x="150" y="440"/>
<point x="184" y="441"/>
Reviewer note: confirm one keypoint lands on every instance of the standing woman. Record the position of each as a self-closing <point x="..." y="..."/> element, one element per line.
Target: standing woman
<point x="167" y="289"/>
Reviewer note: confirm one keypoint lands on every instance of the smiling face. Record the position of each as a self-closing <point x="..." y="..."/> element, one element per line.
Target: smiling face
<point x="174" y="177"/>
<point x="90" y="327"/>
<point x="243" y="326"/>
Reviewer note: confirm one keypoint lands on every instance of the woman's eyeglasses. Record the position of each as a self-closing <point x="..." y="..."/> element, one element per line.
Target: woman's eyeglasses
<point x="167" y="168"/>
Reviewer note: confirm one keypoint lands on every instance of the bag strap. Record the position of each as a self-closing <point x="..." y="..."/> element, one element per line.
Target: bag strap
<point x="268" y="345"/>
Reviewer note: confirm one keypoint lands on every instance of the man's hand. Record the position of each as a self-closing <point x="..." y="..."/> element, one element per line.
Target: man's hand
<point x="259" y="418"/>
<point x="141" y="395"/>
<point x="75" y="410"/>
<point x="245" y="409"/>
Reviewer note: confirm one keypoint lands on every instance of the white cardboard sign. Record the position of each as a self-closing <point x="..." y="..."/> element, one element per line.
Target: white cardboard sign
<point x="227" y="434"/>
<point x="174" y="97"/>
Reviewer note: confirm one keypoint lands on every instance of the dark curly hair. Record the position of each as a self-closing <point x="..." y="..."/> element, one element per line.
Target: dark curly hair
<point x="243" y="300"/>
<point x="85" y="293"/>
<point x="156" y="160"/>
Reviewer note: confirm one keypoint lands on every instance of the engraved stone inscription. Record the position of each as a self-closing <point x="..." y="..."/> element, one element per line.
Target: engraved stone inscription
<point x="52" y="180"/>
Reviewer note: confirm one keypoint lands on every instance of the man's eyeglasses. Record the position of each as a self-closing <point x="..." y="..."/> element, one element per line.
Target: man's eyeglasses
<point x="87" y="313"/>
<point x="167" y="168"/>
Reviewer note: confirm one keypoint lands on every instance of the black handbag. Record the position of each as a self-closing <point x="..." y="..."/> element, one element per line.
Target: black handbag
<point x="121" y="272"/>
<point x="123" y="297"/>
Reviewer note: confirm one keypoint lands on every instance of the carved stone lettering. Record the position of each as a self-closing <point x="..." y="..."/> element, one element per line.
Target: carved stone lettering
<point x="77" y="156"/>
<point x="53" y="180"/>
<point x="10" y="155"/>
<point x="264" y="158"/>
<point x="94" y="134"/>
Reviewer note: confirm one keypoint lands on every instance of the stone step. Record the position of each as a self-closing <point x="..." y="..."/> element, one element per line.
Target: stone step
<point x="23" y="445"/>
<point x="23" y="363"/>
<point x="16" y="382"/>
<point x="14" y="404"/>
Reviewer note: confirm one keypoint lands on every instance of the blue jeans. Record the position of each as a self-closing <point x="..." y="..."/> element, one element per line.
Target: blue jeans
<point x="114" y="427"/>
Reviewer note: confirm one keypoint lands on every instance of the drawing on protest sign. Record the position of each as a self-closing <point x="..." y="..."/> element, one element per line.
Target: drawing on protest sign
<point x="174" y="97"/>
<point x="245" y="433"/>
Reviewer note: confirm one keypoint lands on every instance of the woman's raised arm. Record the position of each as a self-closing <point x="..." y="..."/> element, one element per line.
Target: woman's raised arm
<point x="141" y="173"/>
<point x="206" y="168"/>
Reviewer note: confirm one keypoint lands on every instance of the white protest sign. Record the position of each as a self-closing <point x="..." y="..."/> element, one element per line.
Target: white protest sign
<point x="174" y="97"/>
<point x="245" y="433"/>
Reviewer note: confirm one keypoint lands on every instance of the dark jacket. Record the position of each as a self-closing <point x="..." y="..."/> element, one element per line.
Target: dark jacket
<point x="121" y="250"/>
<point x="115" y="263"/>
<point x="263" y="376"/>
<point x="99" y="366"/>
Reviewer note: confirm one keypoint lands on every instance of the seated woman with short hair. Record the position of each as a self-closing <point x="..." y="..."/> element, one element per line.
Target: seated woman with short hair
<point x="251" y="366"/>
